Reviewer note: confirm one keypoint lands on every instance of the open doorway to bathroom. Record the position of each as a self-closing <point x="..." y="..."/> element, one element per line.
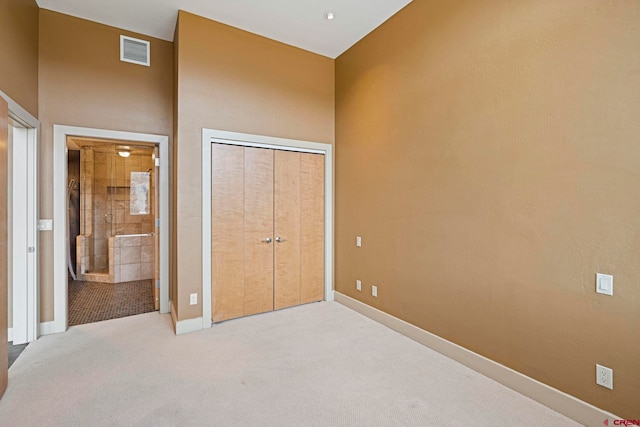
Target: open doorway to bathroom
<point x="112" y="204"/>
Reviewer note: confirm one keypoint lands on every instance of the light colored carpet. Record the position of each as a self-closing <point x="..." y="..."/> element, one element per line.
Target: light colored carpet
<point x="317" y="365"/>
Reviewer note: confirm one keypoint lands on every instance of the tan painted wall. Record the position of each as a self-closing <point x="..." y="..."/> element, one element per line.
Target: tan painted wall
<point x="488" y="154"/>
<point x="233" y="80"/>
<point x="84" y="83"/>
<point x="19" y="52"/>
<point x="19" y="63"/>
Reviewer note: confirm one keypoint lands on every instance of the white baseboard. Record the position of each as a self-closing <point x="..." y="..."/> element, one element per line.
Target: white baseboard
<point x="185" y="326"/>
<point x="47" y="328"/>
<point x="189" y="325"/>
<point x="557" y="400"/>
<point x="331" y="296"/>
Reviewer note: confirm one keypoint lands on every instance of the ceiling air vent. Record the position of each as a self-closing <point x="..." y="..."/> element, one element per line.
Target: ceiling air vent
<point x="134" y="50"/>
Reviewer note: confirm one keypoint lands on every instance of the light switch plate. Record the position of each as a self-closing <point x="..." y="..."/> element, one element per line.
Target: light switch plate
<point x="45" y="225"/>
<point x="359" y="241"/>
<point x="604" y="284"/>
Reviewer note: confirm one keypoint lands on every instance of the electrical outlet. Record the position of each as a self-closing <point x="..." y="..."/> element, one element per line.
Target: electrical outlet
<point x="374" y="290"/>
<point x="604" y="376"/>
<point x="358" y="285"/>
<point x="193" y="299"/>
<point x="359" y="241"/>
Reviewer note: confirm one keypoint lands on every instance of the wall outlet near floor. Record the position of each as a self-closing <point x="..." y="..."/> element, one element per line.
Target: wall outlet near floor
<point x="604" y="376"/>
<point x="374" y="290"/>
<point x="193" y="299"/>
<point x="358" y="285"/>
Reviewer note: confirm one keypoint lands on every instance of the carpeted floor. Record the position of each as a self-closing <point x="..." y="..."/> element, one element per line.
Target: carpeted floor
<point x="93" y="302"/>
<point x="316" y="365"/>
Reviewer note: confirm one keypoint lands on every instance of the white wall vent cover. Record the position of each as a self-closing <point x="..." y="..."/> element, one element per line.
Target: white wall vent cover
<point x="135" y="51"/>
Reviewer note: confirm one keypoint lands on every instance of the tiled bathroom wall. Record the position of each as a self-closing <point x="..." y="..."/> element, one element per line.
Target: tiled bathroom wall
<point x="131" y="258"/>
<point x="84" y="242"/>
<point x="105" y="181"/>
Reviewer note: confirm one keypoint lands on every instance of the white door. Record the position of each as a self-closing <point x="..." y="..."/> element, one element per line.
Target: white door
<point x="23" y="226"/>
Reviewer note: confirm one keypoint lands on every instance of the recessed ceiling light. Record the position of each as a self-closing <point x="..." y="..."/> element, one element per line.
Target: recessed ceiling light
<point x="329" y="16"/>
<point x="124" y="151"/>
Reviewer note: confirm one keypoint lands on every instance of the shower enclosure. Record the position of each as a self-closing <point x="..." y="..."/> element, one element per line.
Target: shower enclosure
<point x="73" y="208"/>
<point x="117" y="212"/>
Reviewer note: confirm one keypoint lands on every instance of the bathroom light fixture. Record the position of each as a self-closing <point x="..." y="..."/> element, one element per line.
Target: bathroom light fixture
<point x="124" y="152"/>
<point x="329" y="16"/>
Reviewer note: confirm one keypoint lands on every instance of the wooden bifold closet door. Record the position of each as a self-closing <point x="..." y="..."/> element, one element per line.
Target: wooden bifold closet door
<point x="267" y="230"/>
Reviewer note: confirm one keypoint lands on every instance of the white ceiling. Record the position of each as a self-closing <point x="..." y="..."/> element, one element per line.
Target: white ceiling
<point x="299" y="23"/>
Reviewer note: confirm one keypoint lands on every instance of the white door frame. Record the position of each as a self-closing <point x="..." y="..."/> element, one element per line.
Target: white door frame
<point x="60" y="134"/>
<point x="210" y="136"/>
<point x="23" y="229"/>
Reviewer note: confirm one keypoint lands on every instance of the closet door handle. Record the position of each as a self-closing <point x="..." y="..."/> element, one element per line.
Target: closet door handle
<point x="280" y="239"/>
<point x="267" y="240"/>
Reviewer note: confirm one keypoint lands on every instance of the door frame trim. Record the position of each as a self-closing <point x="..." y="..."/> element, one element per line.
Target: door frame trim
<point x="60" y="134"/>
<point x="210" y="136"/>
<point x="26" y="304"/>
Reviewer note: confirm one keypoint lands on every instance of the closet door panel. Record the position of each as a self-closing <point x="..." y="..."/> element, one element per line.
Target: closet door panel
<point x="287" y="228"/>
<point x="311" y="227"/>
<point x="258" y="227"/>
<point x="227" y="232"/>
<point x="260" y="195"/>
